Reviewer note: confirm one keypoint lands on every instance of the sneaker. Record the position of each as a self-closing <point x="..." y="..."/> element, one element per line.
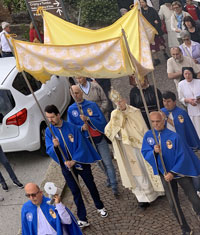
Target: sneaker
<point x="1" y="199"/>
<point x="83" y="224"/>
<point x="4" y="186"/>
<point x="103" y="212"/>
<point x="18" y="184"/>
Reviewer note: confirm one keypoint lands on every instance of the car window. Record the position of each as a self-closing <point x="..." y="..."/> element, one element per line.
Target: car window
<point x="7" y="103"/>
<point x="20" y="84"/>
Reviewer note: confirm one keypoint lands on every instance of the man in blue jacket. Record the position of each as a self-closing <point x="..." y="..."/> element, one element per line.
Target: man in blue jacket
<point x="79" y="154"/>
<point x="39" y="217"/>
<point x="180" y="161"/>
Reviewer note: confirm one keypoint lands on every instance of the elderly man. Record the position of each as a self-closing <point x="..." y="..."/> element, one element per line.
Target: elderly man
<point x="176" y="62"/>
<point x="180" y="162"/>
<point x="38" y="216"/>
<point x="78" y="155"/>
<point x="5" y="47"/>
<point x="126" y="129"/>
<point x="92" y="122"/>
<point x="92" y="91"/>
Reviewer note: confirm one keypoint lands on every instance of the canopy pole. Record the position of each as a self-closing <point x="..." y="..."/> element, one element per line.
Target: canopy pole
<point x="155" y="90"/>
<point x="132" y="59"/>
<point x="47" y="123"/>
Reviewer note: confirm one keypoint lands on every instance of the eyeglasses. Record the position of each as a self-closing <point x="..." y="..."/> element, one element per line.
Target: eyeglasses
<point x="186" y="39"/>
<point x="31" y="194"/>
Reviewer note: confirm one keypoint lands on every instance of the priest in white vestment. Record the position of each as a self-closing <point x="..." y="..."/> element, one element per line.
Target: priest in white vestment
<point x="126" y="129"/>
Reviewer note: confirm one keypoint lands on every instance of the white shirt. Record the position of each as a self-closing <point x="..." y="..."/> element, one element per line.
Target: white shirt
<point x="4" y="44"/>
<point x="169" y="126"/>
<point x="86" y="88"/>
<point x="190" y="90"/>
<point x="44" y="228"/>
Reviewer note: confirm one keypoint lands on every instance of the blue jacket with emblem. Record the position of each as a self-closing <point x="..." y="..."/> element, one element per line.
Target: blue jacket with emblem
<point x="177" y="156"/>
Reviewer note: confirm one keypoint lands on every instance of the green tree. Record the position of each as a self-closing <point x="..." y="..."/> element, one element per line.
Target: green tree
<point x="14" y="5"/>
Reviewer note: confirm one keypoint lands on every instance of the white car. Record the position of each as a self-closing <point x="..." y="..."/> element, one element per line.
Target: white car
<point x="22" y="126"/>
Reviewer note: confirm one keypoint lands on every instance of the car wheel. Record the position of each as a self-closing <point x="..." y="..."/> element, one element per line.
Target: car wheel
<point x="42" y="139"/>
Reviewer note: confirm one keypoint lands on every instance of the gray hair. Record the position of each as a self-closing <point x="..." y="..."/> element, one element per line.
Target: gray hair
<point x="185" y="34"/>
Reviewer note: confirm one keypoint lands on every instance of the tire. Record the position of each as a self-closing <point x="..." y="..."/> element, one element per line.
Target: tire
<point x="42" y="139"/>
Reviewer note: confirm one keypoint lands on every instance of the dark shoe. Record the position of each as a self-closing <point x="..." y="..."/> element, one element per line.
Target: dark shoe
<point x="4" y="186"/>
<point x="143" y="205"/>
<point x="156" y="62"/>
<point x="116" y="194"/>
<point x="187" y="233"/>
<point x="18" y="184"/>
<point x="166" y="56"/>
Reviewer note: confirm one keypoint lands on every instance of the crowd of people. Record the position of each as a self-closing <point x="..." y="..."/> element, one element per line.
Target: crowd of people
<point x="155" y="152"/>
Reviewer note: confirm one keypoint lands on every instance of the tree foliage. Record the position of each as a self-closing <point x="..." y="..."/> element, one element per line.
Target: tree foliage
<point x="14" y="5"/>
<point x="95" y="12"/>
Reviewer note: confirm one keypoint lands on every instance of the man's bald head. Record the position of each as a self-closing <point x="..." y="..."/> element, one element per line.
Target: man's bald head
<point x="33" y="192"/>
<point x="176" y="53"/>
<point x="77" y="93"/>
<point x="158" y="120"/>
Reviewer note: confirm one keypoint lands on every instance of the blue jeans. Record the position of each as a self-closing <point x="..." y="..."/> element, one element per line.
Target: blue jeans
<point x="103" y="149"/>
<point x="86" y="175"/>
<point x="6" y="164"/>
<point x="188" y="188"/>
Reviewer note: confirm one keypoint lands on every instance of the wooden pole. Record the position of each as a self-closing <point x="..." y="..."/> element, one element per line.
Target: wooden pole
<point x="132" y="59"/>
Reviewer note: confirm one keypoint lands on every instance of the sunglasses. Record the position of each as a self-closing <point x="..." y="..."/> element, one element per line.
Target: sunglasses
<point x="186" y="39"/>
<point x="31" y="194"/>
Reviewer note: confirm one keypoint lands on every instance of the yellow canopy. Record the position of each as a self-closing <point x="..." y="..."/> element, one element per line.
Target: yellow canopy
<point x="70" y="50"/>
<point x="140" y="33"/>
<point x="107" y="59"/>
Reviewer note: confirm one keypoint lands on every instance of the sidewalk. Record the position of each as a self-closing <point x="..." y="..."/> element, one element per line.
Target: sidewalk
<point x="124" y="215"/>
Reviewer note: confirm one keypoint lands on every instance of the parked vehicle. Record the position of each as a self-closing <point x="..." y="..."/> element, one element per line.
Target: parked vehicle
<point x="22" y="126"/>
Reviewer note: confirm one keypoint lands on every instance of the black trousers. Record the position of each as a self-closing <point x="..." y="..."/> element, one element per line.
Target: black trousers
<point x="188" y="188"/>
<point x="86" y="175"/>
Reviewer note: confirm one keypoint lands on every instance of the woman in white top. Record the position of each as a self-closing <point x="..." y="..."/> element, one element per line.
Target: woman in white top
<point x="165" y="14"/>
<point x="189" y="95"/>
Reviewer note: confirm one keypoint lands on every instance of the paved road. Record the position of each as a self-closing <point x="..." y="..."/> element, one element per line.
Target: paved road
<point x="28" y="167"/>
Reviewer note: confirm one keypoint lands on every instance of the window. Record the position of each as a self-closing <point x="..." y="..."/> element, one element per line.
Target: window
<point x="20" y="84"/>
<point x="7" y="103"/>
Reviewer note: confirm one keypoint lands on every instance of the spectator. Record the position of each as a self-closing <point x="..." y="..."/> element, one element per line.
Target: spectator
<point x="6" y="164"/>
<point x="165" y="14"/>
<point x="149" y="95"/>
<point x="192" y="9"/>
<point x="159" y="43"/>
<point x="92" y="91"/>
<point x="189" y="95"/>
<point x="5" y="46"/>
<point x="106" y="86"/>
<point x="33" y="36"/>
<point x="177" y="19"/>
<point x="177" y="62"/>
<point x="192" y="28"/>
<point x="124" y="5"/>
<point x="190" y="48"/>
